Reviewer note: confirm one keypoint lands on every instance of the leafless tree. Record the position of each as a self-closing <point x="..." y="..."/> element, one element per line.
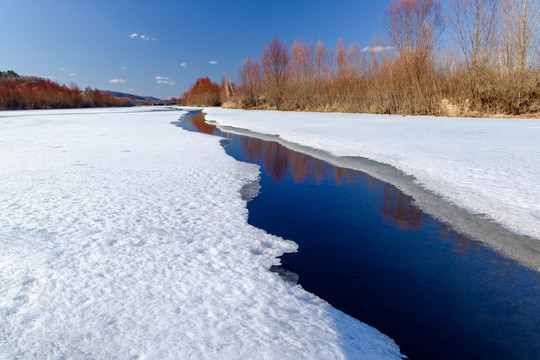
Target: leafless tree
<point x="520" y="21"/>
<point x="474" y="25"/>
<point x="275" y="63"/>
<point x="250" y="82"/>
<point x="302" y="73"/>
<point x="413" y="27"/>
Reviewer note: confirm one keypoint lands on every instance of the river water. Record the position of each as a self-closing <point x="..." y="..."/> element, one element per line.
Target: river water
<point x="369" y="251"/>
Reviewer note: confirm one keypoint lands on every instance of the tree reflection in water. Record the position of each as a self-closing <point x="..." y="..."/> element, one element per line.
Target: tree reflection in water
<point x="281" y="163"/>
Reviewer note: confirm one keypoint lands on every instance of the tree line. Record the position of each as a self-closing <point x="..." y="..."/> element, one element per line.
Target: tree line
<point x="490" y="66"/>
<point x="18" y="92"/>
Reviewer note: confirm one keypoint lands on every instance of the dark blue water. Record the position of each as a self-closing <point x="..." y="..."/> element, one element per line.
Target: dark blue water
<point x="368" y="251"/>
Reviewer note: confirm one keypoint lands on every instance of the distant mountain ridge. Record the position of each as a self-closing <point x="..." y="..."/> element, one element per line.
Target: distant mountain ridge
<point x="129" y="96"/>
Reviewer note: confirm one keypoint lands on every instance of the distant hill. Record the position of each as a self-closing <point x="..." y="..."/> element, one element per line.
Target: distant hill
<point x="130" y="96"/>
<point x="32" y="92"/>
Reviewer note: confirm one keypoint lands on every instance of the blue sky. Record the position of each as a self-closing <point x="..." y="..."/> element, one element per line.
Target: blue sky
<point x="93" y="43"/>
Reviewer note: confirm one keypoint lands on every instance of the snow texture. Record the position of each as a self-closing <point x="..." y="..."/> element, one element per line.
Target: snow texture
<point x="125" y="237"/>
<point x="486" y="166"/>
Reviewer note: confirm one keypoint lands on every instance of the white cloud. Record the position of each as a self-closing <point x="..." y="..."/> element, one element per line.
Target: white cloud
<point x="117" y="81"/>
<point x="164" y="80"/>
<point x="62" y="69"/>
<point x="142" y="37"/>
<point x="123" y="68"/>
<point x="72" y="74"/>
<point x="184" y="64"/>
<point x="377" y="48"/>
<point x="213" y="62"/>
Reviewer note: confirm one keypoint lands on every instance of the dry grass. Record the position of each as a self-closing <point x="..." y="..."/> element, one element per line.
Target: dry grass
<point x="376" y="83"/>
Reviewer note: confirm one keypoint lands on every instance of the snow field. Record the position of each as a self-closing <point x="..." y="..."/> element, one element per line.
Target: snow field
<point x="122" y="236"/>
<point x="486" y="166"/>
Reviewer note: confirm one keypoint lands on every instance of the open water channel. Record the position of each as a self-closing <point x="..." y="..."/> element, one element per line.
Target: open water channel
<point x="365" y="248"/>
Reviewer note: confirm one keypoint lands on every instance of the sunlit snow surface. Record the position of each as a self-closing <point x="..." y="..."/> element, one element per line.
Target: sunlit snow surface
<point x="123" y="237"/>
<point x="486" y="166"/>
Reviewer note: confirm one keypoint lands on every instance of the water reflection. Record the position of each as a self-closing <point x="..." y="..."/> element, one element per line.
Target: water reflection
<point x="398" y="209"/>
<point x="282" y="163"/>
<point x="369" y="251"/>
<point x="200" y="125"/>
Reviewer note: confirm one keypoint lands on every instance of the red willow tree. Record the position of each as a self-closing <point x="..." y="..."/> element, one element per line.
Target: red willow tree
<point x="18" y="92"/>
<point x="250" y="79"/>
<point x="275" y="63"/>
<point x="413" y="27"/>
<point x="203" y="93"/>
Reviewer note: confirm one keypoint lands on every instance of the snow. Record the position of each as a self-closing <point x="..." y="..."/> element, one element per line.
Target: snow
<point x="485" y="166"/>
<point x="123" y="236"/>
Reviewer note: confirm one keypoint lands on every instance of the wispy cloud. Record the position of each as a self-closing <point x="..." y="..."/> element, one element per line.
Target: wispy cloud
<point x="123" y="68"/>
<point x="164" y="80"/>
<point x="376" y="49"/>
<point x="73" y="74"/>
<point x="141" y="36"/>
<point x="62" y="69"/>
<point x="213" y="62"/>
<point x="117" y="81"/>
<point x="184" y="64"/>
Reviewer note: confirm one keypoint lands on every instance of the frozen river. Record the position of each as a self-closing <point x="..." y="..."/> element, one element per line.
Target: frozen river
<point x="124" y="237"/>
<point x="368" y="249"/>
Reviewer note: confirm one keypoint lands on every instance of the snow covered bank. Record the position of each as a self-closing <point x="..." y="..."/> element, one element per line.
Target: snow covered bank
<point x="122" y="236"/>
<point x="486" y="166"/>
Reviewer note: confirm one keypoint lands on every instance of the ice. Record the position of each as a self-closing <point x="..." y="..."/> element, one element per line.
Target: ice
<point x="485" y="166"/>
<point x="123" y="236"/>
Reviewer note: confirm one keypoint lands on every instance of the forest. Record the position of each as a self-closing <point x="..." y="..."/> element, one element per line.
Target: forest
<point x="487" y="65"/>
<point x="28" y="92"/>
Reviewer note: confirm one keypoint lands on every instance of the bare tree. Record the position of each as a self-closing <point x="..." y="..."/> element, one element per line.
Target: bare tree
<point x="227" y="88"/>
<point x="302" y="74"/>
<point x="520" y="21"/>
<point x="414" y="27"/>
<point x="250" y="82"/>
<point x="474" y="25"/>
<point x="276" y="70"/>
<point x="520" y="33"/>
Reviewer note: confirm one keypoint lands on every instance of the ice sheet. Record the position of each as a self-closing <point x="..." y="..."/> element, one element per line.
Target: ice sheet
<point x="123" y="237"/>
